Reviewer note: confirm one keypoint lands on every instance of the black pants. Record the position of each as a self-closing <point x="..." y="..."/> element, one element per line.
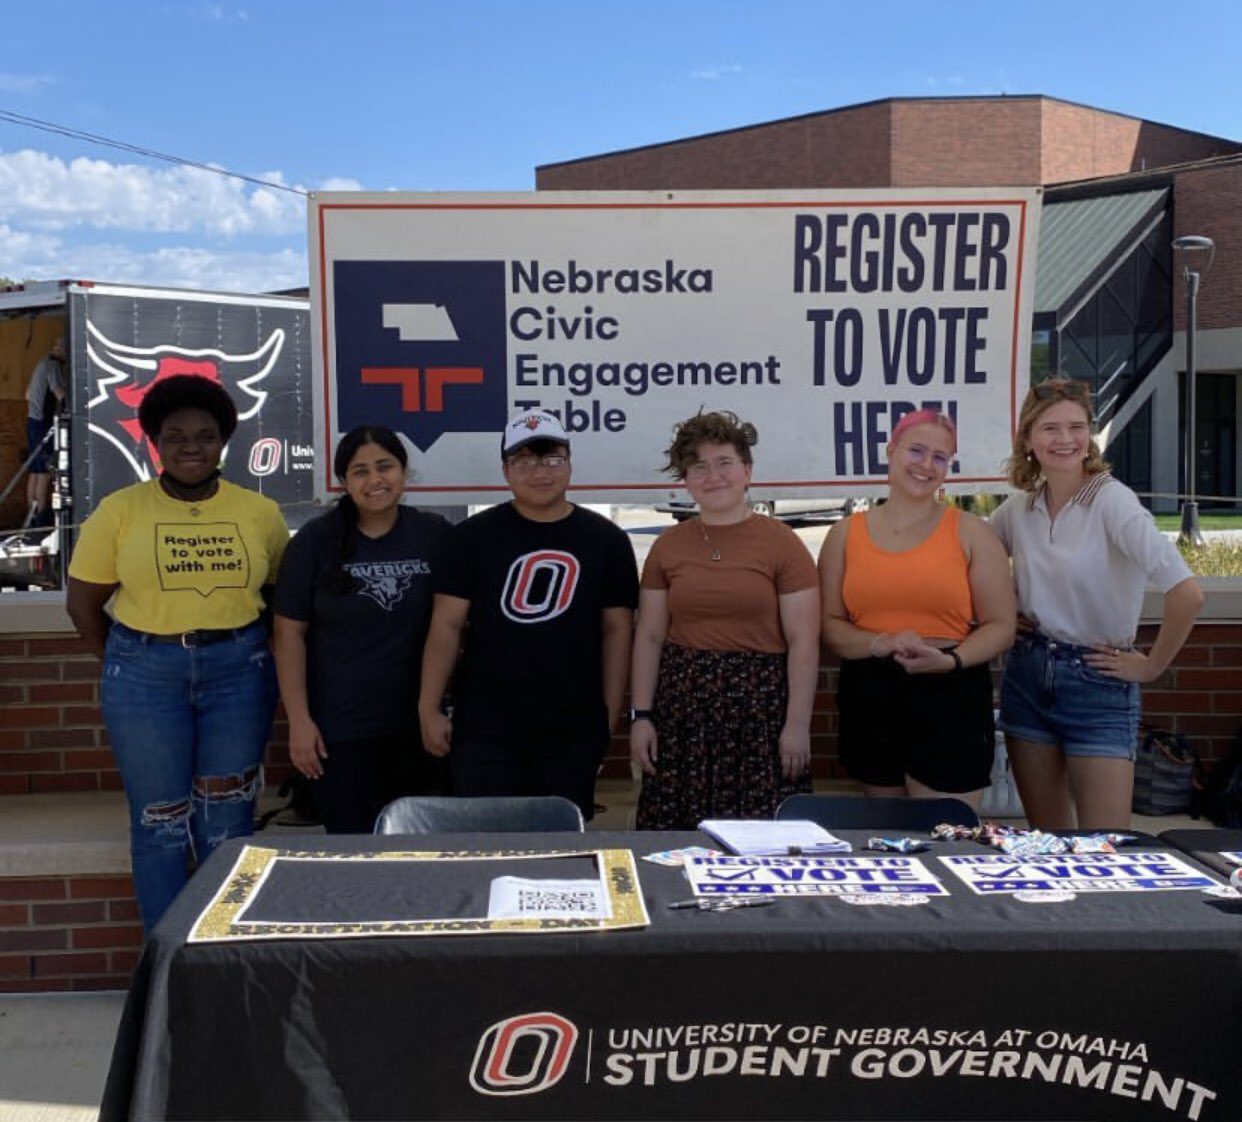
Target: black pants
<point x="539" y="762"/>
<point x="361" y="777"/>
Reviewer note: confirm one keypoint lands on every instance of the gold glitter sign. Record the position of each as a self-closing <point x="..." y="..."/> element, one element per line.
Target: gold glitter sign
<point x="233" y="912"/>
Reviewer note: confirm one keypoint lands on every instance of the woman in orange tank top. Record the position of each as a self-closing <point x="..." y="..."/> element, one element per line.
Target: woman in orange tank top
<point x="916" y="599"/>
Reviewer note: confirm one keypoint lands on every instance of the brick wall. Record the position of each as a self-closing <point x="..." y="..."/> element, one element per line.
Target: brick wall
<point x="67" y="933"/>
<point x="844" y="148"/>
<point x="980" y="143"/>
<point x="52" y="739"/>
<point x="1199" y="695"/>
<point x="899" y="142"/>
<point x="51" y="735"/>
<point x="1207" y="203"/>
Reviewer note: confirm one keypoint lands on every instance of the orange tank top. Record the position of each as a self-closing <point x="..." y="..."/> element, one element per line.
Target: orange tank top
<point x="925" y="589"/>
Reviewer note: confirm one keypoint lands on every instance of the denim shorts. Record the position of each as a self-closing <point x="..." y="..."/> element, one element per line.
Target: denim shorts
<point x="1050" y="695"/>
<point x="35" y="432"/>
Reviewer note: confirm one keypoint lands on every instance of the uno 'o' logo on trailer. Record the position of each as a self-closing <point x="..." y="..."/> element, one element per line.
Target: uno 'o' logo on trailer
<point x="522" y="1055"/>
<point x="265" y="455"/>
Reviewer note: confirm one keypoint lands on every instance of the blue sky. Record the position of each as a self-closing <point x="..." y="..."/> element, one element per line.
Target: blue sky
<point x="473" y="94"/>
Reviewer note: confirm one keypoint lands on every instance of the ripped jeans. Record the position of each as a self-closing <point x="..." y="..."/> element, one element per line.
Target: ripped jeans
<point x="188" y="728"/>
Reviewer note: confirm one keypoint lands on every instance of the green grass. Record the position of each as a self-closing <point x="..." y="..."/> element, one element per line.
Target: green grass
<point x="1213" y="521"/>
<point x="1216" y="559"/>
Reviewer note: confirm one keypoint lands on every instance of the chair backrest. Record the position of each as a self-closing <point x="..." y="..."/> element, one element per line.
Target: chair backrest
<point x="859" y="812"/>
<point x="508" y="814"/>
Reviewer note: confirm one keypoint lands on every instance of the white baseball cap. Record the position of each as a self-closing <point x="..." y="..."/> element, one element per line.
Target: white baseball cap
<point x="532" y="425"/>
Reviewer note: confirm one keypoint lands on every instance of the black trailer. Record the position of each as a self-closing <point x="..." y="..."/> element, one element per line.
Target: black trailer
<point x="121" y="339"/>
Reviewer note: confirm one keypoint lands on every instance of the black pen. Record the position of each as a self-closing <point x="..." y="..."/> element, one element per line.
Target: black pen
<point x="677" y="904"/>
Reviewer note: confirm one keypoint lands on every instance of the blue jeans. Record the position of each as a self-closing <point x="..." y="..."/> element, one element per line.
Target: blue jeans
<point x="188" y="728"/>
<point x="1050" y="695"/>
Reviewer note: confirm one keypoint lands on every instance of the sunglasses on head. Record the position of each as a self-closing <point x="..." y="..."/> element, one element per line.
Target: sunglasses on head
<point x="1061" y="387"/>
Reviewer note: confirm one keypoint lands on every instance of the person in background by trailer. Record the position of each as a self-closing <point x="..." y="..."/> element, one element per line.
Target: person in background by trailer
<point x="44" y="396"/>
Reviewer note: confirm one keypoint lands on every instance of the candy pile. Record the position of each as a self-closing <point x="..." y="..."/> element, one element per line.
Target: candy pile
<point x="1030" y="843"/>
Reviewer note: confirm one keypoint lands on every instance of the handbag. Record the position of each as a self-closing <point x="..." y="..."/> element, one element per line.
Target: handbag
<point x="1166" y="773"/>
<point x="1001" y="799"/>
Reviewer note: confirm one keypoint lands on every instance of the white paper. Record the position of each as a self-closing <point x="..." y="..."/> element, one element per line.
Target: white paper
<point x="522" y="898"/>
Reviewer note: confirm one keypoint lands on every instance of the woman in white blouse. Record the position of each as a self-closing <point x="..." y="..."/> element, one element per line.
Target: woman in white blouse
<point x="1084" y="550"/>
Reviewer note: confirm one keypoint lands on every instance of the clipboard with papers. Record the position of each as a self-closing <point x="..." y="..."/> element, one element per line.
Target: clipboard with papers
<point x="759" y="838"/>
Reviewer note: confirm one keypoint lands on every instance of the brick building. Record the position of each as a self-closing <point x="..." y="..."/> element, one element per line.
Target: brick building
<point x="1110" y="297"/>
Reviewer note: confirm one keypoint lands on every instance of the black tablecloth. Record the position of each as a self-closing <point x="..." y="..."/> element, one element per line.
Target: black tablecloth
<point x="1110" y="1006"/>
<point x="1207" y="846"/>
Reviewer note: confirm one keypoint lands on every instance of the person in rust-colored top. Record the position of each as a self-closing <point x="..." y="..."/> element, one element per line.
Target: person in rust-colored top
<point x="727" y="647"/>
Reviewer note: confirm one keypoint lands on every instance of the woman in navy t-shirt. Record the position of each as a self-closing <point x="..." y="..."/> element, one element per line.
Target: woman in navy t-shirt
<point x="353" y="602"/>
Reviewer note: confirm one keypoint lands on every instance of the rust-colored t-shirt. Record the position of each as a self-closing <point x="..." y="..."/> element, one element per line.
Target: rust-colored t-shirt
<point x="730" y="604"/>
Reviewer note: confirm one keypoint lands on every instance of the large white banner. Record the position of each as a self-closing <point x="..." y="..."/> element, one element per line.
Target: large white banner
<point x="821" y="316"/>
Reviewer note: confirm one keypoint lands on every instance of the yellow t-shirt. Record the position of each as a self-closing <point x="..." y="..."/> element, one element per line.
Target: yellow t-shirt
<point x="182" y="566"/>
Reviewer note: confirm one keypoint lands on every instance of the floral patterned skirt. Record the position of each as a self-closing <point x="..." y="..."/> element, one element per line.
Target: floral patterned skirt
<point x="718" y="716"/>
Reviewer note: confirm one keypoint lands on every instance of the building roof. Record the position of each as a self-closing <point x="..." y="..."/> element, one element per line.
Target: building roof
<point x="1079" y="237"/>
<point x="849" y="109"/>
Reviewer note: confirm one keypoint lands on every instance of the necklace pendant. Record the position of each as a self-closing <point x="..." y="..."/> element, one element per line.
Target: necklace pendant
<point x="715" y="555"/>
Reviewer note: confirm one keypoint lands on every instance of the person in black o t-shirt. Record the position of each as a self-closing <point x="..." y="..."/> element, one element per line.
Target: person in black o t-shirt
<point x="539" y="595"/>
<point x="353" y="603"/>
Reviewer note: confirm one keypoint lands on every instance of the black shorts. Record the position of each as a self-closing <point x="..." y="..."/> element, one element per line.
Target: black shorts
<point x="936" y="728"/>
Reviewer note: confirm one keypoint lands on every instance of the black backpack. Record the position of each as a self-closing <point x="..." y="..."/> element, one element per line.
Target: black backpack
<point x="1222" y="790"/>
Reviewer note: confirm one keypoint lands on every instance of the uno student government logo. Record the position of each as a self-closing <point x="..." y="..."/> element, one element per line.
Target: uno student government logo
<point x="422" y="344"/>
<point x="540" y="586"/>
<point x="522" y="1055"/>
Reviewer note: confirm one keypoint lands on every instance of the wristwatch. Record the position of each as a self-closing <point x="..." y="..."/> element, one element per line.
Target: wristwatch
<point x="640" y="715"/>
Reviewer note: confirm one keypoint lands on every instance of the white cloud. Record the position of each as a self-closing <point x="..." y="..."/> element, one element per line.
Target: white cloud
<point x="24" y="83"/>
<point x="714" y="73"/>
<point x="47" y="257"/>
<point x="222" y="13"/>
<point x="47" y="192"/>
<point x="174" y="226"/>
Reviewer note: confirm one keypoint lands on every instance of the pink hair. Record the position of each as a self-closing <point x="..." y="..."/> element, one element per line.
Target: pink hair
<point x="924" y="417"/>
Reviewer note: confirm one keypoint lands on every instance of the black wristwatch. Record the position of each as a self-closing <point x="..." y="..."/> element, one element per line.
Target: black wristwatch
<point x="640" y="715"/>
<point x="957" y="658"/>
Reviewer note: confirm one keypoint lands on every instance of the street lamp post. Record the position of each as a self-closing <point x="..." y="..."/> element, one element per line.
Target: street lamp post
<point x="1190" y="534"/>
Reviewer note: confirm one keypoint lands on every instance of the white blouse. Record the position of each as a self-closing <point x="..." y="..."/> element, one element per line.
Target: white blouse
<point x="1082" y="576"/>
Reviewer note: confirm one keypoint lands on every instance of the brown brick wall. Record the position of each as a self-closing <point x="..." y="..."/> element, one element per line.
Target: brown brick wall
<point x="51" y="734"/>
<point x="928" y="142"/>
<point x="847" y="148"/>
<point x="67" y="933"/>
<point x="53" y="740"/>
<point x="1208" y="201"/>
<point x="984" y="143"/>
<point x="1082" y="143"/>
<point x="1199" y="695"/>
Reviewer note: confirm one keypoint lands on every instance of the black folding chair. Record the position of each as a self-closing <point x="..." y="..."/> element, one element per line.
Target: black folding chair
<point x="417" y="814"/>
<point x="845" y="812"/>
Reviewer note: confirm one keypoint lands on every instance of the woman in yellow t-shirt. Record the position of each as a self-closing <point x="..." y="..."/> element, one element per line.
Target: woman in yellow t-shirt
<point x="188" y="687"/>
<point x="726" y="650"/>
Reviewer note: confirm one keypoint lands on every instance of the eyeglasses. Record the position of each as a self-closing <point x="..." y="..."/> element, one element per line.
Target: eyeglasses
<point x="701" y="469"/>
<point x="524" y="465"/>
<point x="1071" y="388"/>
